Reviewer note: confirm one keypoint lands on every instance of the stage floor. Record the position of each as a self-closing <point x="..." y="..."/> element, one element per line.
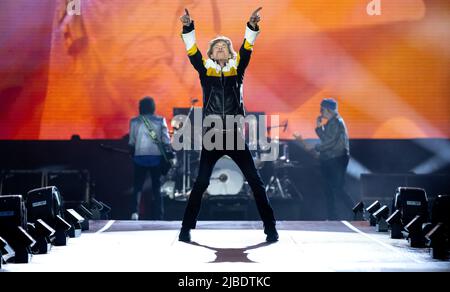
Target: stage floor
<point x="233" y="246"/>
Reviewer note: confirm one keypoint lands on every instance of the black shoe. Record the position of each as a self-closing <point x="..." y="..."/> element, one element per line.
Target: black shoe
<point x="272" y="234"/>
<point x="185" y="235"/>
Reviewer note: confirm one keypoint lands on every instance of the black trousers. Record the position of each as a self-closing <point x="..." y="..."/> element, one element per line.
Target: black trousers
<point x="244" y="160"/>
<point x="333" y="172"/>
<point x="153" y="205"/>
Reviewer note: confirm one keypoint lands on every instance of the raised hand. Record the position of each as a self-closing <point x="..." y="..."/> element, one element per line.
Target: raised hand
<point x="297" y="136"/>
<point x="319" y="121"/>
<point x="255" y="18"/>
<point x="309" y="148"/>
<point x="186" y="18"/>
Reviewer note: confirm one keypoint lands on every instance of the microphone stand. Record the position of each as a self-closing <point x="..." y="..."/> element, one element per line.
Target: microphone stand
<point x="186" y="156"/>
<point x="283" y="125"/>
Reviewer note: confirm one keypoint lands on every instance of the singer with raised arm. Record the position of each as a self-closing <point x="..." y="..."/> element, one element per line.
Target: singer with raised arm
<point x="221" y="75"/>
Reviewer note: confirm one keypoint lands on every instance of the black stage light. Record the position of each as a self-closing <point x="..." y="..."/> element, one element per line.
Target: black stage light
<point x="381" y="215"/>
<point x="441" y="209"/>
<point x="99" y="209"/>
<point x="44" y="203"/>
<point x="411" y="202"/>
<point x="395" y="221"/>
<point x="22" y="244"/>
<point x="372" y="209"/>
<point x="92" y="209"/>
<point x="44" y="236"/>
<point x="440" y="213"/>
<point x="439" y="236"/>
<point x="12" y="213"/>
<point x="13" y="224"/>
<point x="358" y="212"/>
<point x="416" y="237"/>
<point x="61" y="231"/>
<point x="6" y="251"/>
<point x="438" y="242"/>
<point x="87" y="215"/>
<point x="75" y="221"/>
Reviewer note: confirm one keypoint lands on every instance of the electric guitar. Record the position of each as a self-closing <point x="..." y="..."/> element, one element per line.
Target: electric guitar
<point x="119" y="150"/>
<point x="173" y="160"/>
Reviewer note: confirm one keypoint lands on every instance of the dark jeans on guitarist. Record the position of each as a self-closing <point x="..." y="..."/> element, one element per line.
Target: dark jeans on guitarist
<point x="153" y="205"/>
<point x="244" y="160"/>
<point x="333" y="171"/>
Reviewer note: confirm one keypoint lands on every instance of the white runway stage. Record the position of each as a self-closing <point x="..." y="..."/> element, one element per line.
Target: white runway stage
<point x="233" y="246"/>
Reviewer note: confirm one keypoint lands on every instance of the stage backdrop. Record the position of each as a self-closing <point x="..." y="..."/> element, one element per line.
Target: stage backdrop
<point x="62" y="75"/>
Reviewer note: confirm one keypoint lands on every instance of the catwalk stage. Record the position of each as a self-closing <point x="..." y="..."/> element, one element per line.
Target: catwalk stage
<point x="238" y="246"/>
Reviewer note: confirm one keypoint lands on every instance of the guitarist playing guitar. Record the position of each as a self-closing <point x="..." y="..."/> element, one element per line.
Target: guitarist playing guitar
<point x="148" y="136"/>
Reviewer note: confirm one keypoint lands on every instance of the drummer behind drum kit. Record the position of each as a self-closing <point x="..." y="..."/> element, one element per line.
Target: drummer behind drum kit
<point x="227" y="179"/>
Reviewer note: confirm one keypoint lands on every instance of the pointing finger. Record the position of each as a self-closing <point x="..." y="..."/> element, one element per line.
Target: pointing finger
<point x="256" y="11"/>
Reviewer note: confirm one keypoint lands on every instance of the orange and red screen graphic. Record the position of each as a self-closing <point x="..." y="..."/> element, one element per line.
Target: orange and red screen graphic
<point x="389" y="72"/>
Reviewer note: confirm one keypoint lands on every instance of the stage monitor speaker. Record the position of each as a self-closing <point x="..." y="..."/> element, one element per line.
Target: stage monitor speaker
<point x="44" y="203"/>
<point x="13" y="226"/>
<point x="411" y="202"/>
<point x="12" y="214"/>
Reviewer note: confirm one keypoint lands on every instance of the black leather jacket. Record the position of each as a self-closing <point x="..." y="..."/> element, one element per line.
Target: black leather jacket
<point x="221" y="96"/>
<point x="333" y="139"/>
<point x="222" y="87"/>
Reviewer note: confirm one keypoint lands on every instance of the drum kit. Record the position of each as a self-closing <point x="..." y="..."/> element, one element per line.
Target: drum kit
<point x="228" y="180"/>
<point x="280" y="185"/>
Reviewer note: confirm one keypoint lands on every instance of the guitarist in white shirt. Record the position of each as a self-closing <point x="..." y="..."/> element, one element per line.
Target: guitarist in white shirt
<point x="147" y="159"/>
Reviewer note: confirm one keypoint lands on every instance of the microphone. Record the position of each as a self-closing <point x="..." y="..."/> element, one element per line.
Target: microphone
<point x="285" y="125"/>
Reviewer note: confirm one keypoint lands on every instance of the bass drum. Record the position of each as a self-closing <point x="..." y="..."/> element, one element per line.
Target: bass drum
<point x="226" y="178"/>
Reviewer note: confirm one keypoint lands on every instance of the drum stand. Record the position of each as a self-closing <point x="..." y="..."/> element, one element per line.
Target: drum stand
<point x="186" y="172"/>
<point x="275" y="184"/>
<point x="280" y="187"/>
<point x="187" y="159"/>
<point x="185" y="176"/>
<point x="283" y="186"/>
